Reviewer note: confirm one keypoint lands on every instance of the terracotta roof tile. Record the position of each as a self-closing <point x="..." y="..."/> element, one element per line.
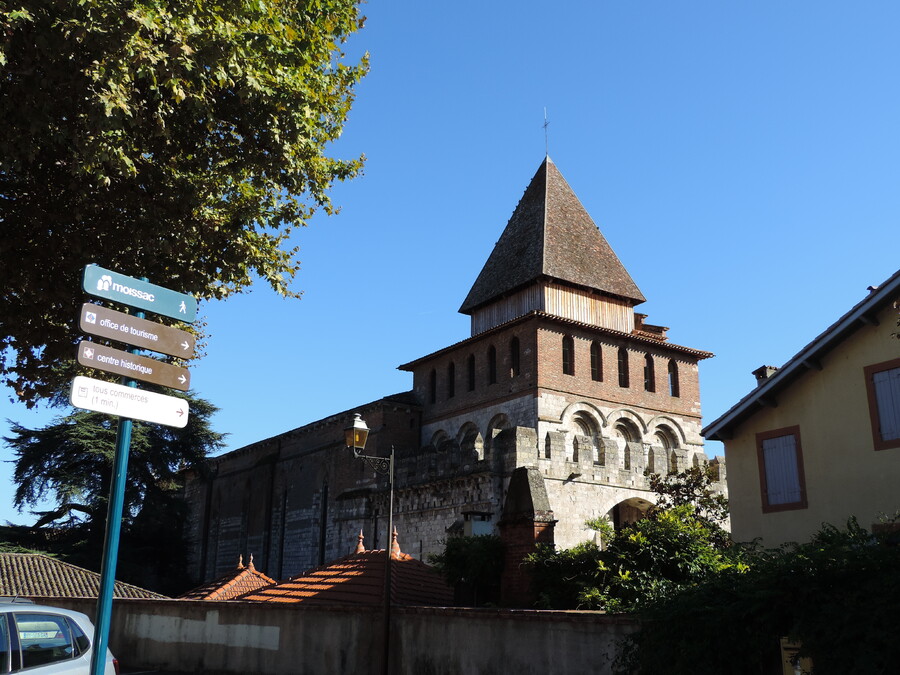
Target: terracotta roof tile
<point x="234" y="584"/>
<point x="358" y="579"/>
<point x="33" y="575"/>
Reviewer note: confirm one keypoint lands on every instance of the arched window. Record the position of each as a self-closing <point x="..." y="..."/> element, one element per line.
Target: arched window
<point x="492" y="365"/>
<point x="624" y="435"/>
<point x="574" y="449"/>
<point x="623" y="367"/>
<point x="649" y="374"/>
<point x="432" y="386"/>
<point x="470" y="366"/>
<point x="451" y="380"/>
<point x="514" y="361"/>
<point x="547" y="446"/>
<point x="568" y="355"/>
<point x="674" y="389"/>
<point x="596" y="362"/>
<point x="651" y="461"/>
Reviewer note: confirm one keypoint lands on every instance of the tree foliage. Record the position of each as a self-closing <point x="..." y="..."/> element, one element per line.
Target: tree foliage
<point x="472" y="566"/>
<point x="837" y="595"/>
<point x="174" y="139"/>
<point x="678" y="544"/>
<point x="69" y="465"/>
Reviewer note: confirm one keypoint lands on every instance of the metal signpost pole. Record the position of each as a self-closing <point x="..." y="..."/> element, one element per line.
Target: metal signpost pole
<point x="111" y="541"/>
<point x="101" y="396"/>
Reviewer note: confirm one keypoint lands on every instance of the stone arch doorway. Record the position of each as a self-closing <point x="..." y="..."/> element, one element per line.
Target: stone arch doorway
<point x="628" y="511"/>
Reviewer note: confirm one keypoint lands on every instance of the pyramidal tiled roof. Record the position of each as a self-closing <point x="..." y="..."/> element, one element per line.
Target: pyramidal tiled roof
<point x="237" y="582"/>
<point x="550" y="234"/>
<point x="358" y="579"/>
<point x="33" y="575"/>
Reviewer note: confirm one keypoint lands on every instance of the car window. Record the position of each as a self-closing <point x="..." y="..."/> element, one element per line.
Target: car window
<point x="43" y="638"/>
<point x="4" y="645"/>
<point x="81" y="640"/>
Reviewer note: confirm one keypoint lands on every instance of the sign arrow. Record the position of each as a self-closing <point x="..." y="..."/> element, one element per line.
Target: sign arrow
<point x="138" y="404"/>
<point x="121" y="327"/>
<point x="142" y="368"/>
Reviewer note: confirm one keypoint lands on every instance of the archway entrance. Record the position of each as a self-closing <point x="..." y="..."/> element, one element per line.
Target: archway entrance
<point x="628" y="511"/>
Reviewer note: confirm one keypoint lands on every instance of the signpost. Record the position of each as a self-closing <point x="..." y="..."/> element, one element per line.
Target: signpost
<point x="108" y="323"/>
<point x="126" y="400"/>
<point x="139" y="293"/>
<point x="130" y="402"/>
<point x="142" y="368"/>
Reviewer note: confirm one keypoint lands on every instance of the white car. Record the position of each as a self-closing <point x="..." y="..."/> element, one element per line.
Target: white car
<point x="46" y="640"/>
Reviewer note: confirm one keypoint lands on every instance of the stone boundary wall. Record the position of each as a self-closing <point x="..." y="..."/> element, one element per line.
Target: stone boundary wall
<point x="238" y="638"/>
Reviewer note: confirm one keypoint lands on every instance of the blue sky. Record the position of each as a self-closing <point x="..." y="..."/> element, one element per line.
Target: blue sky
<point x="742" y="159"/>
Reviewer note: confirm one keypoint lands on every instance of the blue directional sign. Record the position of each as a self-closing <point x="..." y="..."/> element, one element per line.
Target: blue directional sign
<point x="133" y="292"/>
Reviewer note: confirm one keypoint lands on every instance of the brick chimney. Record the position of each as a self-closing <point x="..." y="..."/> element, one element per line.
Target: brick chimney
<point x="763" y="373"/>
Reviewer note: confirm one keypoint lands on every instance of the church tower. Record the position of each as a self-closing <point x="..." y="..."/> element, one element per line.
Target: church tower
<point x="560" y="373"/>
<point x="552" y="412"/>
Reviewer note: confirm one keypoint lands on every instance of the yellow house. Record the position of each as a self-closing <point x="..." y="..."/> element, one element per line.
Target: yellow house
<point x="818" y="440"/>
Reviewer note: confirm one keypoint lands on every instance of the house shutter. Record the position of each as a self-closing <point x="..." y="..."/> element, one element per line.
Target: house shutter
<point x="887" y="395"/>
<point x="782" y="478"/>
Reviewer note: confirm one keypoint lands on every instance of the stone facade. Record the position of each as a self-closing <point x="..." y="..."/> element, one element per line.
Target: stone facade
<point x="560" y="376"/>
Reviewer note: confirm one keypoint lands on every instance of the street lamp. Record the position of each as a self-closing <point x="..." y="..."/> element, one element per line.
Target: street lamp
<point x="355" y="437"/>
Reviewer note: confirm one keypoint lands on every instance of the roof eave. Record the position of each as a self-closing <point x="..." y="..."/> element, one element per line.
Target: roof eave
<point x="720" y="429"/>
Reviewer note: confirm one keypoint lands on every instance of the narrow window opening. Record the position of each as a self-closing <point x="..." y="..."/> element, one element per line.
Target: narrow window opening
<point x="492" y="365"/>
<point x="596" y="362"/>
<point x="674" y="389"/>
<point x="514" y="360"/>
<point x="623" y="367"/>
<point x="568" y="355"/>
<point x="649" y="374"/>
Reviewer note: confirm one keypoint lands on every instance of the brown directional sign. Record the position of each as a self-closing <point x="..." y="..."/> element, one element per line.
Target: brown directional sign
<point x="108" y="323"/>
<point x="137" y="367"/>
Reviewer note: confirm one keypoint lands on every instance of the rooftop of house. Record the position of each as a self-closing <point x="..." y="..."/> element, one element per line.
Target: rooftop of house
<point x="239" y="581"/>
<point x="358" y="579"/>
<point x="771" y="380"/>
<point x="551" y="236"/>
<point x="33" y="575"/>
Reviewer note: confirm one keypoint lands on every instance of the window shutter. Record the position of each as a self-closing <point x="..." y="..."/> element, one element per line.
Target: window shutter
<point x="782" y="478"/>
<point x="887" y="395"/>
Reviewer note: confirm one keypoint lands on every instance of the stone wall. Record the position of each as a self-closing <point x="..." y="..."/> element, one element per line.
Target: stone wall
<point x="242" y="638"/>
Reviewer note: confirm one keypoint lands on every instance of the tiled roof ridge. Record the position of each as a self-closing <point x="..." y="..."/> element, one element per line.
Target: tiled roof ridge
<point x="239" y="581"/>
<point x="41" y="575"/>
<point x="358" y="578"/>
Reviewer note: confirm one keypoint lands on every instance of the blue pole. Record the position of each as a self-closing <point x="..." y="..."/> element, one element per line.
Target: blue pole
<point x="111" y="540"/>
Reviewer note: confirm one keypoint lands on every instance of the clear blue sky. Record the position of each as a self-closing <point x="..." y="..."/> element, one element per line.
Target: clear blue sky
<point x="742" y="159"/>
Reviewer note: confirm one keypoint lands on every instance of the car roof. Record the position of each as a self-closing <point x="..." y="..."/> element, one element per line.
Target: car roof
<point x="20" y="604"/>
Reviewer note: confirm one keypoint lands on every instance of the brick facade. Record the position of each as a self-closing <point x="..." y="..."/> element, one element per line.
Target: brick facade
<point x="478" y="410"/>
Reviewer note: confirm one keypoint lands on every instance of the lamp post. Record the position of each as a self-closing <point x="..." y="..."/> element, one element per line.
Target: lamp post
<point x="355" y="437"/>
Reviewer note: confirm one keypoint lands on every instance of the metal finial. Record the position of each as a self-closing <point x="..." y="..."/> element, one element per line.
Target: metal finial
<point x="546" y="134"/>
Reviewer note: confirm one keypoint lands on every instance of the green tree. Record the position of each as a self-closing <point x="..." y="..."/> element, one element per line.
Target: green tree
<point x="837" y="595"/>
<point x="69" y="464"/>
<point x="472" y="566"/>
<point x="678" y="544"/>
<point x="173" y="139"/>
